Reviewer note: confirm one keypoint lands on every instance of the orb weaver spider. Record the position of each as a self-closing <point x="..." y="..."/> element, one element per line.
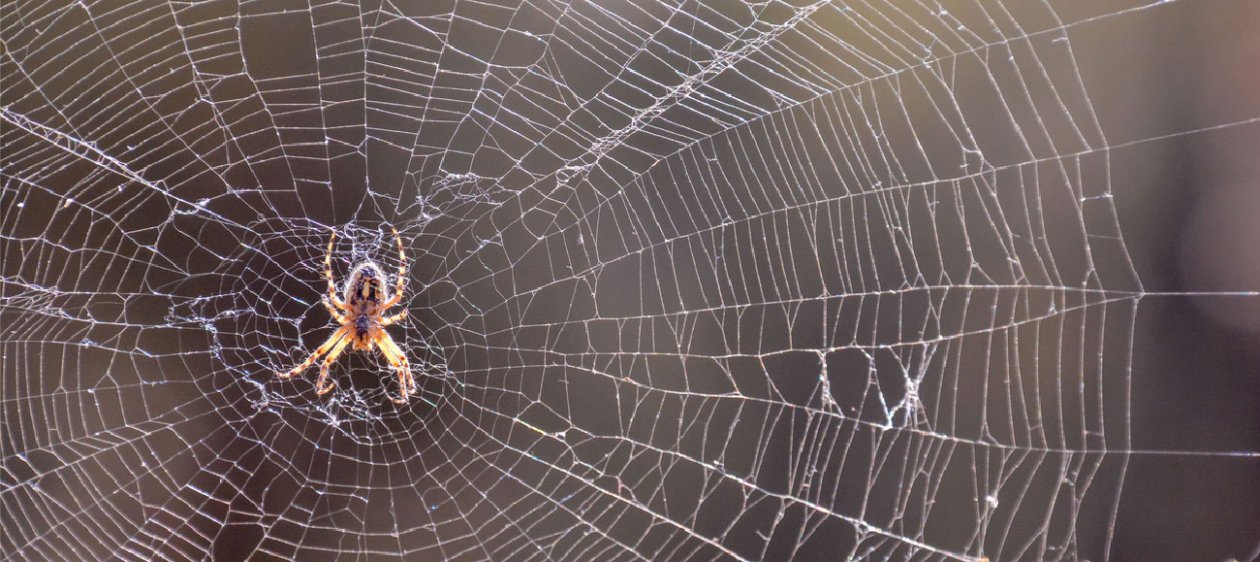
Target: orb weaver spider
<point x="360" y="314"/>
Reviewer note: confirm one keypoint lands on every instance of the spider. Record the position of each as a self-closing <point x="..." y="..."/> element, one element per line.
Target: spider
<point x="362" y="320"/>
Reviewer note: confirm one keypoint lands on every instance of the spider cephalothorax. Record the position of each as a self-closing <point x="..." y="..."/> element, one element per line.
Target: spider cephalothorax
<point x="361" y="315"/>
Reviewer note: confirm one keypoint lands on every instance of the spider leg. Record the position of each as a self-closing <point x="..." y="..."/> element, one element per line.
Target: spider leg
<point x="323" y="348"/>
<point x="401" y="284"/>
<point x="332" y="287"/>
<point x="393" y="319"/>
<point x="323" y="385"/>
<point x="398" y="360"/>
<point x="332" y="309"/>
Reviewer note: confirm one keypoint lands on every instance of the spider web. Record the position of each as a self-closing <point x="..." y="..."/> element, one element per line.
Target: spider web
<point x="689" y="281"/>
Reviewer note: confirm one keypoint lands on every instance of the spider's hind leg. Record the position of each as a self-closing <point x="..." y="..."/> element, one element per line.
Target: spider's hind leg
<point x="400" y="284"/>
<point x="332" y="287"/>
<point x="334" y="311"/>
<point x="388" y="320"/>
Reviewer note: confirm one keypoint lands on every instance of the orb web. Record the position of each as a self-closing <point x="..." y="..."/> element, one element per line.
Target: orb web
<point x="688" y="281"/>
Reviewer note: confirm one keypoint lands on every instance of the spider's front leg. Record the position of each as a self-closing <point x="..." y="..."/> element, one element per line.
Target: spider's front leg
<point x="398" y="360"/>
<point x="323" y="385"/>
<point x="333" y="340"/>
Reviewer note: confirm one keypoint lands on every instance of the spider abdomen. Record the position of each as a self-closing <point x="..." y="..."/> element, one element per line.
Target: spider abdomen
<point x="366" y="288"/>
<point x="364" y="294"/>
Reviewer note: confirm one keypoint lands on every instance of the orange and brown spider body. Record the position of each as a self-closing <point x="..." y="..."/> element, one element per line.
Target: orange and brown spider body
<point x="364" y="295"/>
<point x="360" y="311"/>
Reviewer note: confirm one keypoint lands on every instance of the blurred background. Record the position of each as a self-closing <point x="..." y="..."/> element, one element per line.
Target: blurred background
<point x="688" y="280"/>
